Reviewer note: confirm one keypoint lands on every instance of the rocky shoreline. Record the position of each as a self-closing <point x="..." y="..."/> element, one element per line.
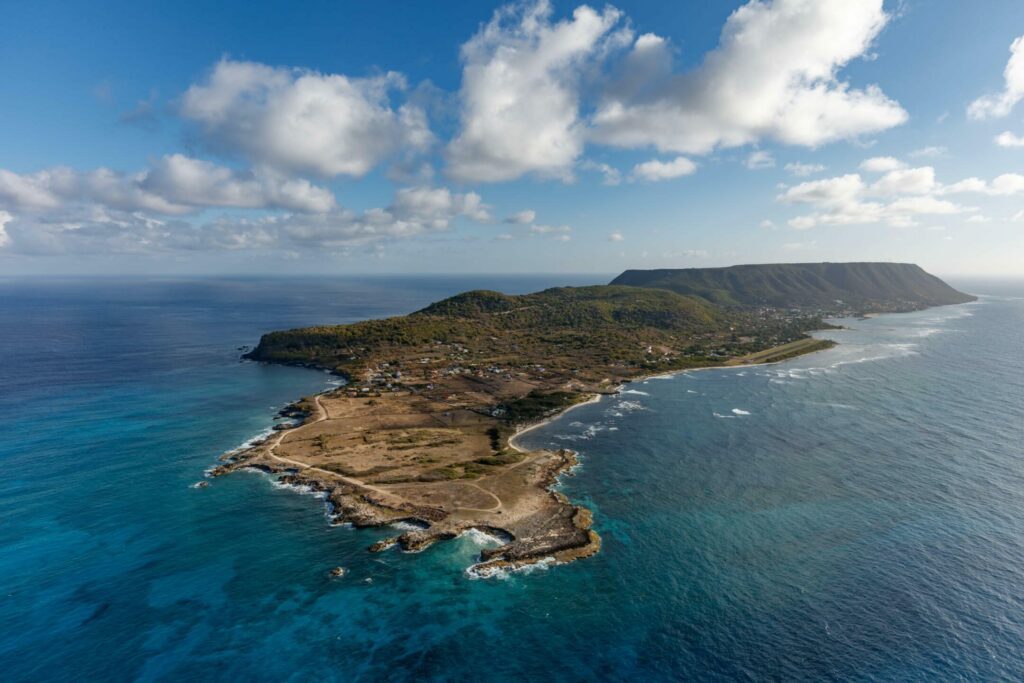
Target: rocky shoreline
<point x="538" y="524"/>
<point x="551" y="530"/>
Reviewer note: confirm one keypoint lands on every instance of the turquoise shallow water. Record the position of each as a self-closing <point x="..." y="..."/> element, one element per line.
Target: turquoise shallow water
<point x="853" y="515"/>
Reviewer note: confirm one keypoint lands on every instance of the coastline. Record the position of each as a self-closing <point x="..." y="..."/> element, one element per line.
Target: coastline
<point x="551" y="418"/>
<point x="671" y="373"/>
<point x="359" y="504"/>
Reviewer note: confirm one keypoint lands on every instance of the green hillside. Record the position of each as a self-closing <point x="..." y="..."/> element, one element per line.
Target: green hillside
<point x="606" y="320"/>
<point x="644" y="320"/>
<point x="596" y="307"/>
<point x="830" y="286"/>
<point x="571" y="332"/>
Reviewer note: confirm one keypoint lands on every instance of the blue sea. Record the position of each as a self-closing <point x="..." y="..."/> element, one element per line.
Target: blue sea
<point x="857" y="514"/>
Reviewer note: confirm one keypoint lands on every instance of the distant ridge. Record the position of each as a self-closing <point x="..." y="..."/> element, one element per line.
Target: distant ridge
<point x="863" y="286"/>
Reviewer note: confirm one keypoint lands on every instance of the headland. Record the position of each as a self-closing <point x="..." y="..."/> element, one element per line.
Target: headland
<point x="424" y="430"/>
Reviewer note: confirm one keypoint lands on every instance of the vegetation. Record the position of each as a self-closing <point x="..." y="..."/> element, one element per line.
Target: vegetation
<point x="517" y="359"/>
<point x="452" y="382"/>
<point x="828" y="286"/>
<point x="566" y="326"/>
<point x="538" y="404"/>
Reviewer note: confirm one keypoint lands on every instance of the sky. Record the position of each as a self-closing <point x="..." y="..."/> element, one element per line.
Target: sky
<point x="249" y="138"/>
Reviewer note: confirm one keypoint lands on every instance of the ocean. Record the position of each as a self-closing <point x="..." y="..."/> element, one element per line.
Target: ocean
<point x="856" y="514"/>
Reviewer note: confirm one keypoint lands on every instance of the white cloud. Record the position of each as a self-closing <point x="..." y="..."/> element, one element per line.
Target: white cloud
<point x="924" y="205"/>
<point x="29" y="191"/>
<point x="906" y="181"/>
<point x="563" y="238"/>
<point x="174" y="184"/>
<point x="303" y="121"/>
<point x="1000" y="104"/>
<point x="759" y="160"/>
<point x="1004" y="185"/>
<point x="92" y="227"/>
<point x="51" y="189"/>
<point x="802" y="170"/>
<point x="881" y="164"/>
<point x="5" y="218"/>
<point x="655" y="170"/>
<point x="523" y="217"/>
<point x="193" y="182"/>
<point x="828" y="192"/>
<point x="520" y="92"/>
<point x="896" y="199"/>
<point x="435" y="207"/>
<point x="767" y="224"/>
<point x="611" y="174"/>
<point x="1007" y="184"/>
<point x="1008" y="139"/>
<point x="978" y="218"/>
<point x="975" y="185"/>
<point x="616" y="237"/>
<point x="773" y="75"/>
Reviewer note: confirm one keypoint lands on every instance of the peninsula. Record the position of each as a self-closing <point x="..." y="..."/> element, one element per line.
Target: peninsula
<point x="424" y="430"/>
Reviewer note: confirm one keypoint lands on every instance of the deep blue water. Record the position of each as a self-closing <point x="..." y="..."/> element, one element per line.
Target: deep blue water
<point x="857" y="514"/>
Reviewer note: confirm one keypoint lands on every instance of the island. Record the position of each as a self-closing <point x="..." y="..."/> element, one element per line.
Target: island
<point x="424" y="431"/>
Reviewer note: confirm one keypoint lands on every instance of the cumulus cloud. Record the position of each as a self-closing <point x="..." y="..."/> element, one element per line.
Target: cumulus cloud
<point x="1004" y="185"/>
<point x="302" y="121"/>
<point x="174" y="184"/>
<point x="998" y="105"/>
<point x="5" y="218"/>
<point x="536" y="89"/>
<point x="1008" y="139"/>
<point x="802" y="170"/>
<point x="759" y="160"/>
<point x="51" y="189"/>
<point x="905" y="181"/>
<point x="896" y="199"/>
<point x="881" y="164"/>
<point x="520" y="92"/>
<point x="193" y="182"/>
<point x="93" y="227"/>
<point x="29" y="191"/>
<point x="655" y="170"/>
<point x="773" y="75"/>
<point x="616" y="237"/>
<point x="436" y="206"/>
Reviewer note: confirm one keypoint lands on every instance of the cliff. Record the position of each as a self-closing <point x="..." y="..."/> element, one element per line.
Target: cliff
<point x="869" y="287"/>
